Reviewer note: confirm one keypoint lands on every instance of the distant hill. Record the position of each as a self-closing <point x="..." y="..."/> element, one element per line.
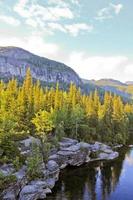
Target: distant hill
<point x="129" y="83"/>
<point x="109" y="82"/>
<point x="119" y="88"/>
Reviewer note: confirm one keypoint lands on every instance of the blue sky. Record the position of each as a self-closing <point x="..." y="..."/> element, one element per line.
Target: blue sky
<point x="94" y="37"/>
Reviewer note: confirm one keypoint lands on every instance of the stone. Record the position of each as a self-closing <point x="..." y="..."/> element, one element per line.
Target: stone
<point x="7" y="169"/>
<point x="108" y="151"/>
<point x="21" y="173"/>
<point x="50" y="182"/>
<point x="113" y="155"/>
<point x="67" y="142"/>
<point x="29" y="141"/>
<point x="72" y="148"/>
<point x="47" y="191"/>
<point x="39" y="183"/>
<point x="52" y="166"/>
<point x="84" y="145"/>
<point x="31" y="192"/>
<point x="106" y="156"/>
<point x="25" y="146"/>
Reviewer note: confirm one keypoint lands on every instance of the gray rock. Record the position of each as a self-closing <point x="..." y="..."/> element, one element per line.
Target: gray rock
<point x="21" y="173"/>
<point x="52" y="166"/>
<point x="106" y="156"/>
<point x="54" y="157"/>
<point x="65" y="153"/>
<point x="9" y="195"/>
<point x="72" y="148"/>
<point x="103" y="156"/>
<point x="50" y="182"/>
<point x="25" y="146"/>
<point x="7" y="169"/>
<point x="67" y="142"/>
<point x="113" y="155"/>
<point x="39" y="184"/>
<point x="108" y="151"/>
<point x="29" y="141"/>
<point x="31" y="192"/>
<point x="47" y="191"/>
<point x="84" y="145"/>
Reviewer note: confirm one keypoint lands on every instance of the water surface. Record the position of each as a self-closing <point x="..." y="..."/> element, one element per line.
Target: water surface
<point x="97" y="181"/>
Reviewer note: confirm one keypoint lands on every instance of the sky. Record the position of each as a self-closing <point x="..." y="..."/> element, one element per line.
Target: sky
<point x="94" y="37"/>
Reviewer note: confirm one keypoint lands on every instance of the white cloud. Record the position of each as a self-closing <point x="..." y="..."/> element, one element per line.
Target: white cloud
<point x="88" y="67"/>
<point x="74" y="29"/>
<point x="117" y="8"/>
<point x="9" y="20"/>
<point x="97" y="67"/>
<point x="109" y="12"/>
<point x="20" y="8"/>
<point x="50" y="16"/>
<point x="34" y="44"/>
<point x="31" y="22"/>
<point x="56" y="26"/>
<point x="47" y="13"/>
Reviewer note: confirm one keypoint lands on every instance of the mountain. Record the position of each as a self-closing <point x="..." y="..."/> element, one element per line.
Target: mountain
<point x="14" y="61"/>
<point x="109" y="82"/>
<point x="119" y="88"/>
<point x="129" y="83"/>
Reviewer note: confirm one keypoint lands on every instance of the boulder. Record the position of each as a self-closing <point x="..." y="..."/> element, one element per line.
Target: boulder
<point x="52" y="166"/>
<point x="25" y="146"/>
<point x="32" y="192"/>
<point x="67" y="142"/>
<point x="50" y="182"/>
<point x="108" y="156"/>
<point x="71" y="148"/>
<point x="39" y="184"/>
<point x="21" y="173"/>
<point x="7" y="169"/>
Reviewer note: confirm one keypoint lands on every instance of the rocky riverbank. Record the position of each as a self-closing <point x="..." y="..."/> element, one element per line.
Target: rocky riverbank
<point x="69" y="153"/>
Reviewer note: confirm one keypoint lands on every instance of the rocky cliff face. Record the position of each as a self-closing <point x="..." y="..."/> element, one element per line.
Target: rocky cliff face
<point x="15" y="61"/>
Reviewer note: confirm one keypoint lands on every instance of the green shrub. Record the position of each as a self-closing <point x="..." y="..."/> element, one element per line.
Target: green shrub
<point x="33" y="163"/>
<point x="6" y="181"/>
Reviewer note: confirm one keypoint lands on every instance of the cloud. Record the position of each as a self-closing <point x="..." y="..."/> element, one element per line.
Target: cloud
<point x="31" y="44"/>
<point x="56" y="26"/>
<point x="74" y="29"/>
<point x="109" y="12"/>
<point x="117" y="8"/>
<point x="46" y="13"/>
<point x="55" y="15"/>
<point x="9" y="20"/>
<point x="97" y="67"/>
<point x="88" y="67"/>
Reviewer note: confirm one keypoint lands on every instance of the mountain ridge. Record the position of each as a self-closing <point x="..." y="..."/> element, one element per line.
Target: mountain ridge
<point x="14" y="61"/>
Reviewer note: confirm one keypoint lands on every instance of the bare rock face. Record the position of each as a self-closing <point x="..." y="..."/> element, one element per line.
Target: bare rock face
<point x="15" y="61"/>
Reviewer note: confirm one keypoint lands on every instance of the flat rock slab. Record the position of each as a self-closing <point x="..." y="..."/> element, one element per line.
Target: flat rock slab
<point x="67" y="142"/>
<point x="72" y="148"/>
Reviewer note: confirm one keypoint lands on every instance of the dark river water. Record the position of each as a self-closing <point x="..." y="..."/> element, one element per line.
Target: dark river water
<point x="111" y="180"/>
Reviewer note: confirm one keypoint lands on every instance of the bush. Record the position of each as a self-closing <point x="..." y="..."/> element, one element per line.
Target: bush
<point x="6" y="181"/>
<point x="33" y="163"/>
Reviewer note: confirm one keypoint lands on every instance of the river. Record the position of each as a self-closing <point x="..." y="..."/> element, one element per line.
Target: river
<point x="112" y="180"/>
